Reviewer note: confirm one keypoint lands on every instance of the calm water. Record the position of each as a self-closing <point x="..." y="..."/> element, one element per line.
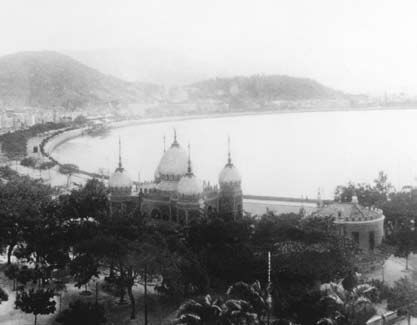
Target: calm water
<point x="282" y="154"/>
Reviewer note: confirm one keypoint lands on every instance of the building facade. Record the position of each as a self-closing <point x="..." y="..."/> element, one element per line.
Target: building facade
<point x="176" y="194"/>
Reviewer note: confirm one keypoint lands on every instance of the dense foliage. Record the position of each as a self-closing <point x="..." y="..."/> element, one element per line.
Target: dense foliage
<point x="36" y="302"/>
<point x="14" y="143"/>
<point x="260" y="89"/>
<point x="403" y="296"/>
<point x="73" y="238"/>
<point x="82" y="313"/>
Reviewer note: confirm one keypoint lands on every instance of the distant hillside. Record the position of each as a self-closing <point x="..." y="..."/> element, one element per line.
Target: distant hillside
<point x="50" y="79"/>
<point x="264" y="89"/>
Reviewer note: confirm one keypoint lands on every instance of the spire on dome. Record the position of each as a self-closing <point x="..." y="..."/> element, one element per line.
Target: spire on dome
<point x="175" y="143"/>
<point x="189" y="170"/>
<point x="229" y="156"/>
<point x="120" y="154"/>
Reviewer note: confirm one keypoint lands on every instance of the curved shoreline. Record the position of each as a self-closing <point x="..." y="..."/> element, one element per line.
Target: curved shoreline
<point x="62" y="136"/>
<point x="180" y="118"/>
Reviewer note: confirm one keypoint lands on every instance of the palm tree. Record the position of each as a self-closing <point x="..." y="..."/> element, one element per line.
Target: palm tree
<point x="251" y="293"/>
<point x="347" y="306"/>
<point x="201" y="311"/>
<point x="245" y="305"/>
<point x="239" y="312"/>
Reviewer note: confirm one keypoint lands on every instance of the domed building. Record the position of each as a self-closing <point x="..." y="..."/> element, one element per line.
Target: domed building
<point x="120" y="188"/>
<point x="231" y="196"/>
<point x="176" y="194"/>
<point x="364" y="225"/>
<point x="172" y="166"/>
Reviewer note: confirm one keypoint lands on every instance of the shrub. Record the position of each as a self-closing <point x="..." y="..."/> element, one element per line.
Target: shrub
<point x="82" y="313"/>
<point x="3" y="295"/>
<point x="382" y="288"/>
<point x="47" y="165"/>
<point x="28" y="162"/>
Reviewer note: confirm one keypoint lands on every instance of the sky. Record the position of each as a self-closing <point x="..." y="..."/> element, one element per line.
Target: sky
<point x="365" y="46"/>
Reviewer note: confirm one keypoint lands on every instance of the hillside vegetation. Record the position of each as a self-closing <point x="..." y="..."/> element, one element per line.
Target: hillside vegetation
<point x="263" y="89"/>
<point x="51" y="79"/>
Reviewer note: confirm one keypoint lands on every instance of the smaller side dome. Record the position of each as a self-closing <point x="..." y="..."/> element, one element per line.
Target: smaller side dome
<point x="189" y="185"/>
<point x="120" y="181"/>
<point x="229" y="174"/>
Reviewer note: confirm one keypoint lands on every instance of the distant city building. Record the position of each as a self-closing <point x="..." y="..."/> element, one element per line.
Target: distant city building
<point x="176" y="194"/>
<point x="364" y="225"/>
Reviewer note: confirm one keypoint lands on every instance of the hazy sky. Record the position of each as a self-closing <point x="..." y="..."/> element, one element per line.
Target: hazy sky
<point x="353" y="45"/>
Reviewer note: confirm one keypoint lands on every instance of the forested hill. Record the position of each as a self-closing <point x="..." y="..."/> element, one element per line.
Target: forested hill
<point x="264" y="88"/>
<point x="50" y="79"/>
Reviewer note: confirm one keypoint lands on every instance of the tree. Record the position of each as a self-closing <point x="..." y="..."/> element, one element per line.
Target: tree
<point x="382" y="186"/>
<point x="22" y="201"/>
<point x="400" y="211"/>
<point x="401" y="217"/>
<point x="83" y="268"/>
<point x="36" y="302"/>
<point x="88" y="203"/>
<point x="309" y="251"/>
<point x="405" y="243"/>
<point x="214" y="242"/>
<point x="12" y="273"/>
<point x="368" y="195"/>
<point x="82" y="313"/>
<point x="403" y="297"/>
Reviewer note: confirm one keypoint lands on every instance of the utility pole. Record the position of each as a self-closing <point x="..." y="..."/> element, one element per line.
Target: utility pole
<point x="146" y="294"/>
<point x="96" y="293"/>
<point x="268" y="289"/>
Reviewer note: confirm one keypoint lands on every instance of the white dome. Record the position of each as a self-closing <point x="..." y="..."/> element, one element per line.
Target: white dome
<point x="173" y="162"/>
<point x="120" y="180"/>
<point x="190" y="185"/>
<point x="229" y="174"/>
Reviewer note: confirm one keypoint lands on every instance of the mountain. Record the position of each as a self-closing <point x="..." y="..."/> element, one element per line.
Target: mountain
<point x="263" y="88"/>
<point x="51" y="79"/>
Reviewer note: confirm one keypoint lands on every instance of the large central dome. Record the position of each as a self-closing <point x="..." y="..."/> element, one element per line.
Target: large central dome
<point x="173" y="163"/>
